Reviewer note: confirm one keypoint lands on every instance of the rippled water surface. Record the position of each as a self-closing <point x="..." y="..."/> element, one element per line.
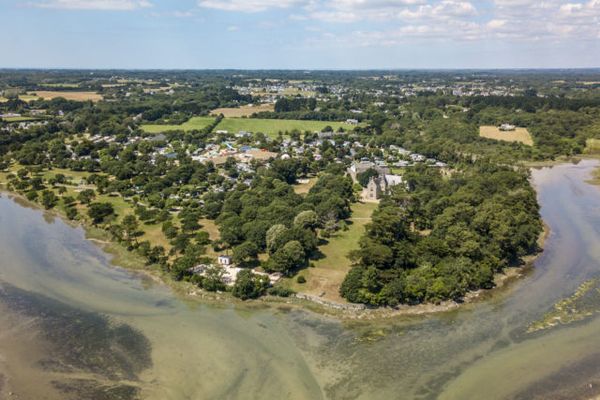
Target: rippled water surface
<point x="74" y="327"/>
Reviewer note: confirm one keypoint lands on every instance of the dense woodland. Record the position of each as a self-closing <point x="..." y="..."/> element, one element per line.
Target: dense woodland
<point x="443" y="234"/>
<point x="440" y="238"/>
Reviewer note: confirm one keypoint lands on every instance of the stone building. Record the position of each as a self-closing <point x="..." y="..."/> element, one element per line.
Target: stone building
<point x="380" y="185"/>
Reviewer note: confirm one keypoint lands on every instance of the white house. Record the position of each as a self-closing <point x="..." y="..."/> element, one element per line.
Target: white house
<point x="507" y="127"/>
<point x="224" y="260"/>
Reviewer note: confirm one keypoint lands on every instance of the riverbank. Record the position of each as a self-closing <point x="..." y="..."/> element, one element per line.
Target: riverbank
<point x="277" y="348"/>
<point x="126" y="259"/>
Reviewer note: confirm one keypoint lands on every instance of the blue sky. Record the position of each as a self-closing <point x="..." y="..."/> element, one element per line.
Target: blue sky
<point x="299" y="34"/>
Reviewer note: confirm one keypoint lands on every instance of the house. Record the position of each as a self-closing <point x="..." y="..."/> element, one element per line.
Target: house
<point x="507" y="127"/>
<point x="380" y="185"/>
<point x="224" y="260"/>
<point x="363" y="166"/>
<point x="10" y="115"/>
<point x="158" y="138"/>
<point x="417" y="157"/>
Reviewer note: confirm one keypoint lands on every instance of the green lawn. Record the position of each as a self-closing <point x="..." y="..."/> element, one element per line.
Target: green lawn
<point x="330" y="271"/>
<point x="269" y="127"/>
<point x="272" y="127"/>
<point x="193" y="123"/>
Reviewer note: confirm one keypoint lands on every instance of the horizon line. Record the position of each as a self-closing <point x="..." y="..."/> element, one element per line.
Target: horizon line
<point x="378" y="69"/>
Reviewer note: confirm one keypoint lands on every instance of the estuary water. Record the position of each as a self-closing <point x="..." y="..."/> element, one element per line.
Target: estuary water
<point x="73" y="326"/>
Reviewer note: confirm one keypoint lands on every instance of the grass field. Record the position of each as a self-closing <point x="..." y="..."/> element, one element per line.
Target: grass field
<point x="592" y="146"/>
<point x="330" y="271"/>
<point x="243" y="111"/>
<point x="28" y="97"/>
<point x="76" y="96"/>
<point x="193" y="123"/>
<point x="272" y="127"/>
<point x="269" y="127"/>
<point x="304" y="188"/>
<point x="18" y="119"/>
<point x="286" y="92"/>
<point x="520" y="135"/>
<point x="61" y="85"/>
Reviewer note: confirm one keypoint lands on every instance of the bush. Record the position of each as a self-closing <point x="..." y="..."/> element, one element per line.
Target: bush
<point x="249" y="285"/>
<point x="71" y="213"/>
<point x="301" y="279"/>
<point x="280" y="291"/>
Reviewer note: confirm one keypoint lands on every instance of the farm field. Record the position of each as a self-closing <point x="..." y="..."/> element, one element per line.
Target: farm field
<point x="75" y="96"/>
<point x="329" y="272"/>
<point x="243" y="111"/>
<point x="520" y="135"/>
<point x="272" y="127"/>
<point x="193" y="123"/>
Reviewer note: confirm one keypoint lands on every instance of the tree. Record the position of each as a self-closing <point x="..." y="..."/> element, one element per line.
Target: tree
<point x="213" y="279"/>
<point x="86" y="196"/>
<point x="307" y="220"/>
<point x="169" y="230"/>
<point x="68" y="201"/>
<point x="230" y="229"/>
<point x="245" y="254"/>
<point x="249" y="285"/>
<point x="364" y="177"/>
<point x="32" y="195"/>
<point x="288" y="258"/>
<point x="36" y="183"/>
<point x="202" y="238"/>
<point x="273" y="237"/>
<point x="49" y="199"/>
<point x="98" y="212"/>
<point x="71" y="213"/>
<point x="131" y="227"/>
<point x="22" y="173"/>
<point x="286" y="170"/>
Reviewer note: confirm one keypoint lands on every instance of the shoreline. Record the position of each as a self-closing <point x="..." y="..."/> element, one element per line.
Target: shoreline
<point x="122" y="258"/>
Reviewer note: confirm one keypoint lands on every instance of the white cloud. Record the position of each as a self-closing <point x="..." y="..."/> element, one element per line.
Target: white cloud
<point x="437" y="19"/>
<point x="387" y="10"/>
<point x="103" y="5"/>
<point x="496" y="23"/>
<point x="442" y="10"/>
<point x="248" y="5"/>
<point x="183" y="14"/>
<point x="590" y="9"/>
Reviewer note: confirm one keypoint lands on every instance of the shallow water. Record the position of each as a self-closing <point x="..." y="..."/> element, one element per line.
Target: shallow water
<point x="72" y="327"/>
